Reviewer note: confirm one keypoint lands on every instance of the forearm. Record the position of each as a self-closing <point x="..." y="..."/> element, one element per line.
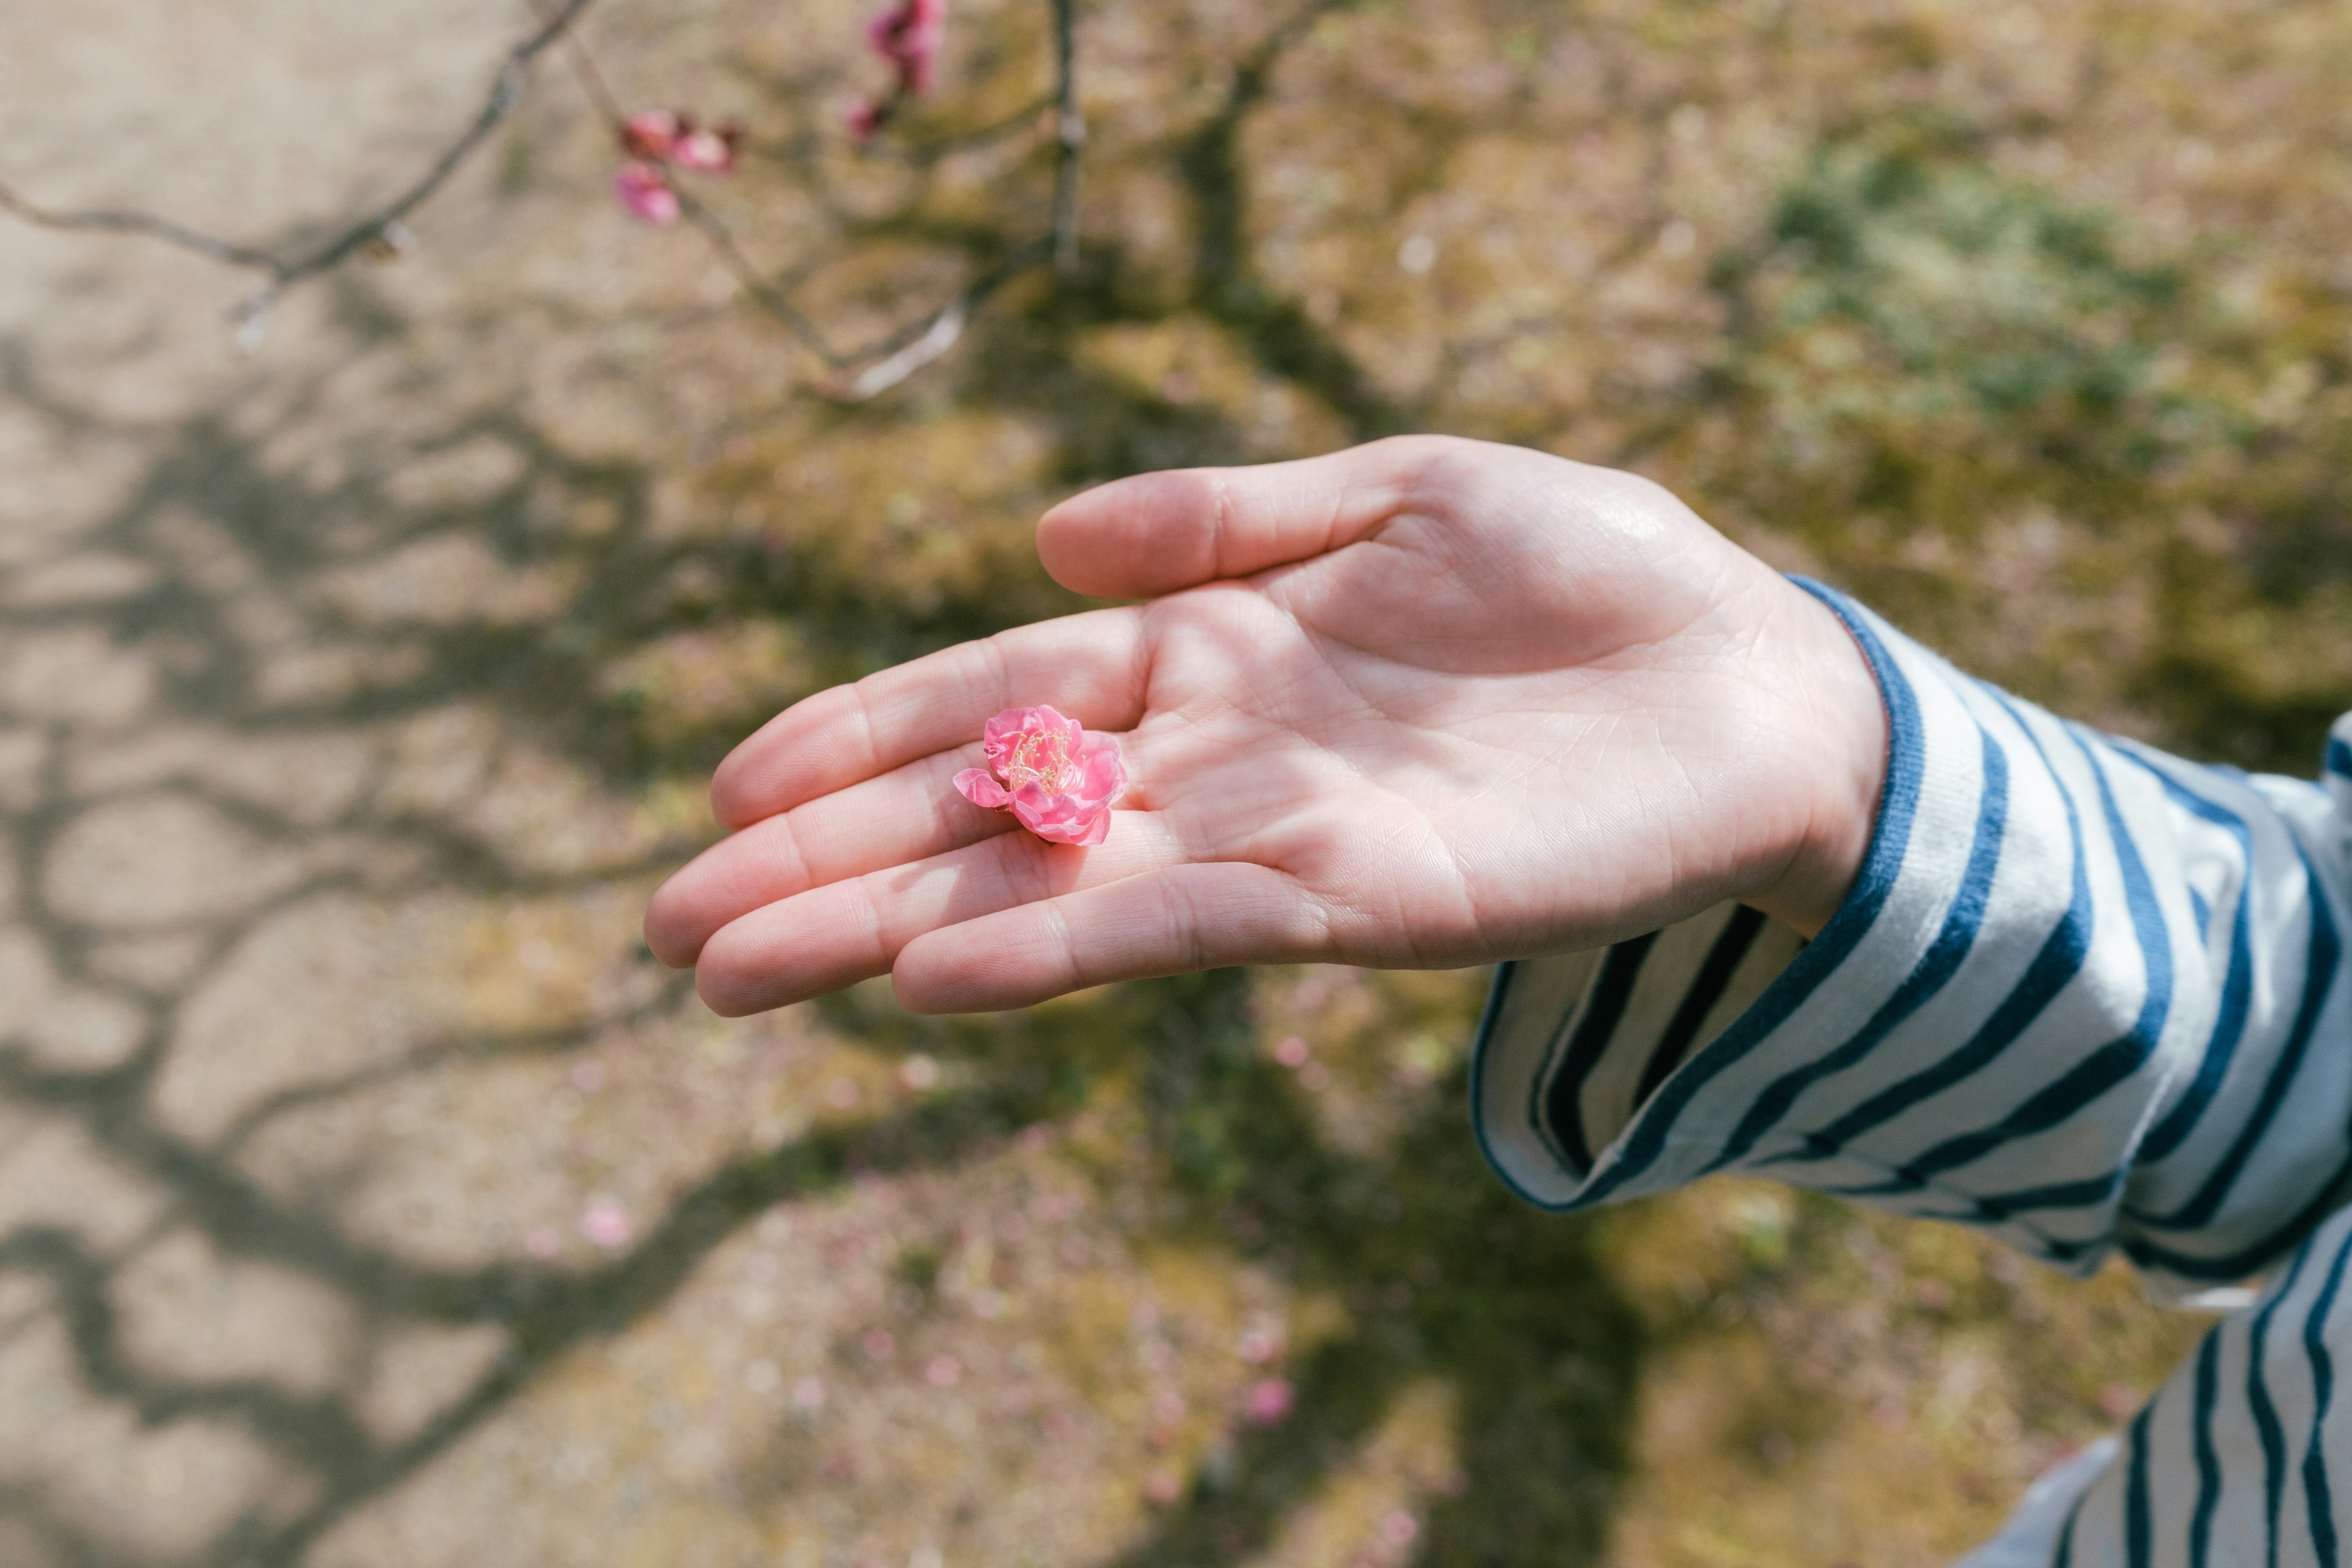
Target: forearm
<point x="2072" y="995"/>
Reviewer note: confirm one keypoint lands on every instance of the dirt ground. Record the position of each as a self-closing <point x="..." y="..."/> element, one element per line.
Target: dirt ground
<point x="368" y="1196"/>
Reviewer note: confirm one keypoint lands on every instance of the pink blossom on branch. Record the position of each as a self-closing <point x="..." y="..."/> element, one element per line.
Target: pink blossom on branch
<point x="644" y="190"/>
<point x="1056" y="778"/>
<point x="651" y="133"/>
<point x="706" y="151"/>
<point x="908" y="35"/>
<point x="864" y="117"/>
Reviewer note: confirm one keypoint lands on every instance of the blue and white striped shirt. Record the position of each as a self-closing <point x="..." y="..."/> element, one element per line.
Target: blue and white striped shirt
<point x="2085" y="995"/>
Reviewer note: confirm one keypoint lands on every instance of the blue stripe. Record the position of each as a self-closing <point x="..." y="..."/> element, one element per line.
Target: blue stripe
<point x="2066" y="1537"/>
<point x="1488" y="1018"/>
<point x="2139" y="1524"/>
<point x="2058" y="962"/>
<point x="2318" y="1503"/>
<point x="2318" y="979"/>
<point x="2265" y="1414"/>
<point x="1999" y="1206"/>
<point x="2074" y="1194"/>
<point x="1929" y="976"/>
<point x="1890" y="837"/>
<point x="2319" y="976"/>
<point x="2246" y="1260"/>
<point x="2339" y="757"/>
<point x="2237" y="985"/>
<point x="1723" y="959"/>
<point x="2111" y="1063"/>
<point x="1557" y="1112"/>
<point x="2208" y="1462"/>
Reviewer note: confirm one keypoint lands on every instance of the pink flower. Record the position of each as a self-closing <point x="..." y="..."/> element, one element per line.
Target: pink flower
<point x="640" y="187"/>
<point x="908" y="36"/>
<point x="707" y="152"/>
<point x="1058" y="779"/>
<point x="864" y="117"/>
<point x="651" y="133"/>
<point x="1268" y="1401"/>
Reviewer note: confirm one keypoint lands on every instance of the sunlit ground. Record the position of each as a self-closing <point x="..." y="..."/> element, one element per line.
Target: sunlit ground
<point x="367" y="1195"/>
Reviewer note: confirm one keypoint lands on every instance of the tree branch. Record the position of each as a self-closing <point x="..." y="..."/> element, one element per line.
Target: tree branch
<point x="855" y="375"/>
<point x="859" y="374"/>
<point x="382" y="226"/>
<point x="1070" y="133"/>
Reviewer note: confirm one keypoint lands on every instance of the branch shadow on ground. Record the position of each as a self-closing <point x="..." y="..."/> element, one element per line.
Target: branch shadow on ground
<point x="241" y="556"/>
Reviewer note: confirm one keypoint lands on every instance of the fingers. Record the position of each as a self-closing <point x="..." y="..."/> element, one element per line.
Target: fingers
<point x="1089" y="666"/>
<point x="838" y="934"/>
<point x="1156" y="533"/>
<point x="907" y="814"/>
<point x="1186" y="917"/>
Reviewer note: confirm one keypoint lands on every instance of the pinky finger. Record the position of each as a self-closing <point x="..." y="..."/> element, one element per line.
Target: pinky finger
<point x="1198" y="916"/>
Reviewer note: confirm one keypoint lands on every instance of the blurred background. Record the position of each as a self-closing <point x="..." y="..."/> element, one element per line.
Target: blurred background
<point x="369" y="1197"/>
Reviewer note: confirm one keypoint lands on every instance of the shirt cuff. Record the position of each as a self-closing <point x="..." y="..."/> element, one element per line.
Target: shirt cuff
<point x="2067" y="1000"/>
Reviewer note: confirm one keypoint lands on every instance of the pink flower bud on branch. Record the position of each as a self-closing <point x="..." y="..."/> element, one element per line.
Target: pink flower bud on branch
<point x="908" y="35"/>
<point x="864" y="117"/>
<point x="644" y="190"/>
<point x="707" y="152"/>
<point x="652" y="133"/>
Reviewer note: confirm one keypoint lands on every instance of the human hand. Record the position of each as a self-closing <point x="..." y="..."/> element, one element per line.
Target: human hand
<point x="1425" y="702"/>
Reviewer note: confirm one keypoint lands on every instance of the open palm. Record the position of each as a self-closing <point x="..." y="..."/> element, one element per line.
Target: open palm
<point x="1423" y="702"/>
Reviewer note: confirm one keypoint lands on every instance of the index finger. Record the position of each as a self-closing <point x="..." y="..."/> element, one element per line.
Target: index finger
<point x="1089" y="666"/>
<point x="1155" y="533"/>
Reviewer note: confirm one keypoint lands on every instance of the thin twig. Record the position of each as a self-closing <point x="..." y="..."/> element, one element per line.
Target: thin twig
<point x="382" y="226"/>
<point x="1070" y="133"/>
<point x="227" y="252"/>
<point x="583" y="68"/>
<point x="923" y="153"/>
<point x="919" y="343"/>
<point x="714" y="228"/>
<point x="762" y="293"/>
<point x="855" y="375"/>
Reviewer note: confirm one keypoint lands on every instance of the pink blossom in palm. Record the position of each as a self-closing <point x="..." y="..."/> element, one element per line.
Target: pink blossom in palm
<point x="1056" y="778"/>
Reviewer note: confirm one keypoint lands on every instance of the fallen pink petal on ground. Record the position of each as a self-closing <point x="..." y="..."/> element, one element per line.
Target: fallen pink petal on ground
<point x="1269" y="1402"/>
<point x="605" y="1223"/>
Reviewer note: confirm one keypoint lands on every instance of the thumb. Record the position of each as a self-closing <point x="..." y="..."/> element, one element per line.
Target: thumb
<point x="1155" y="533"/>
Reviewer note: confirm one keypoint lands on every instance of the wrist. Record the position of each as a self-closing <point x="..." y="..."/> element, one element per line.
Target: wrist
<point x="1841" y="760"/>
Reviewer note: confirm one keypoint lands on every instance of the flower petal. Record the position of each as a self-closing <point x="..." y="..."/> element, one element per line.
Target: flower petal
<point x="976" y="785"/>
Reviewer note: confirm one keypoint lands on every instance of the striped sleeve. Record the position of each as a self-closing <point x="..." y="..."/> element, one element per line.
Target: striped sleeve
<point x="2083" y="995"/>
